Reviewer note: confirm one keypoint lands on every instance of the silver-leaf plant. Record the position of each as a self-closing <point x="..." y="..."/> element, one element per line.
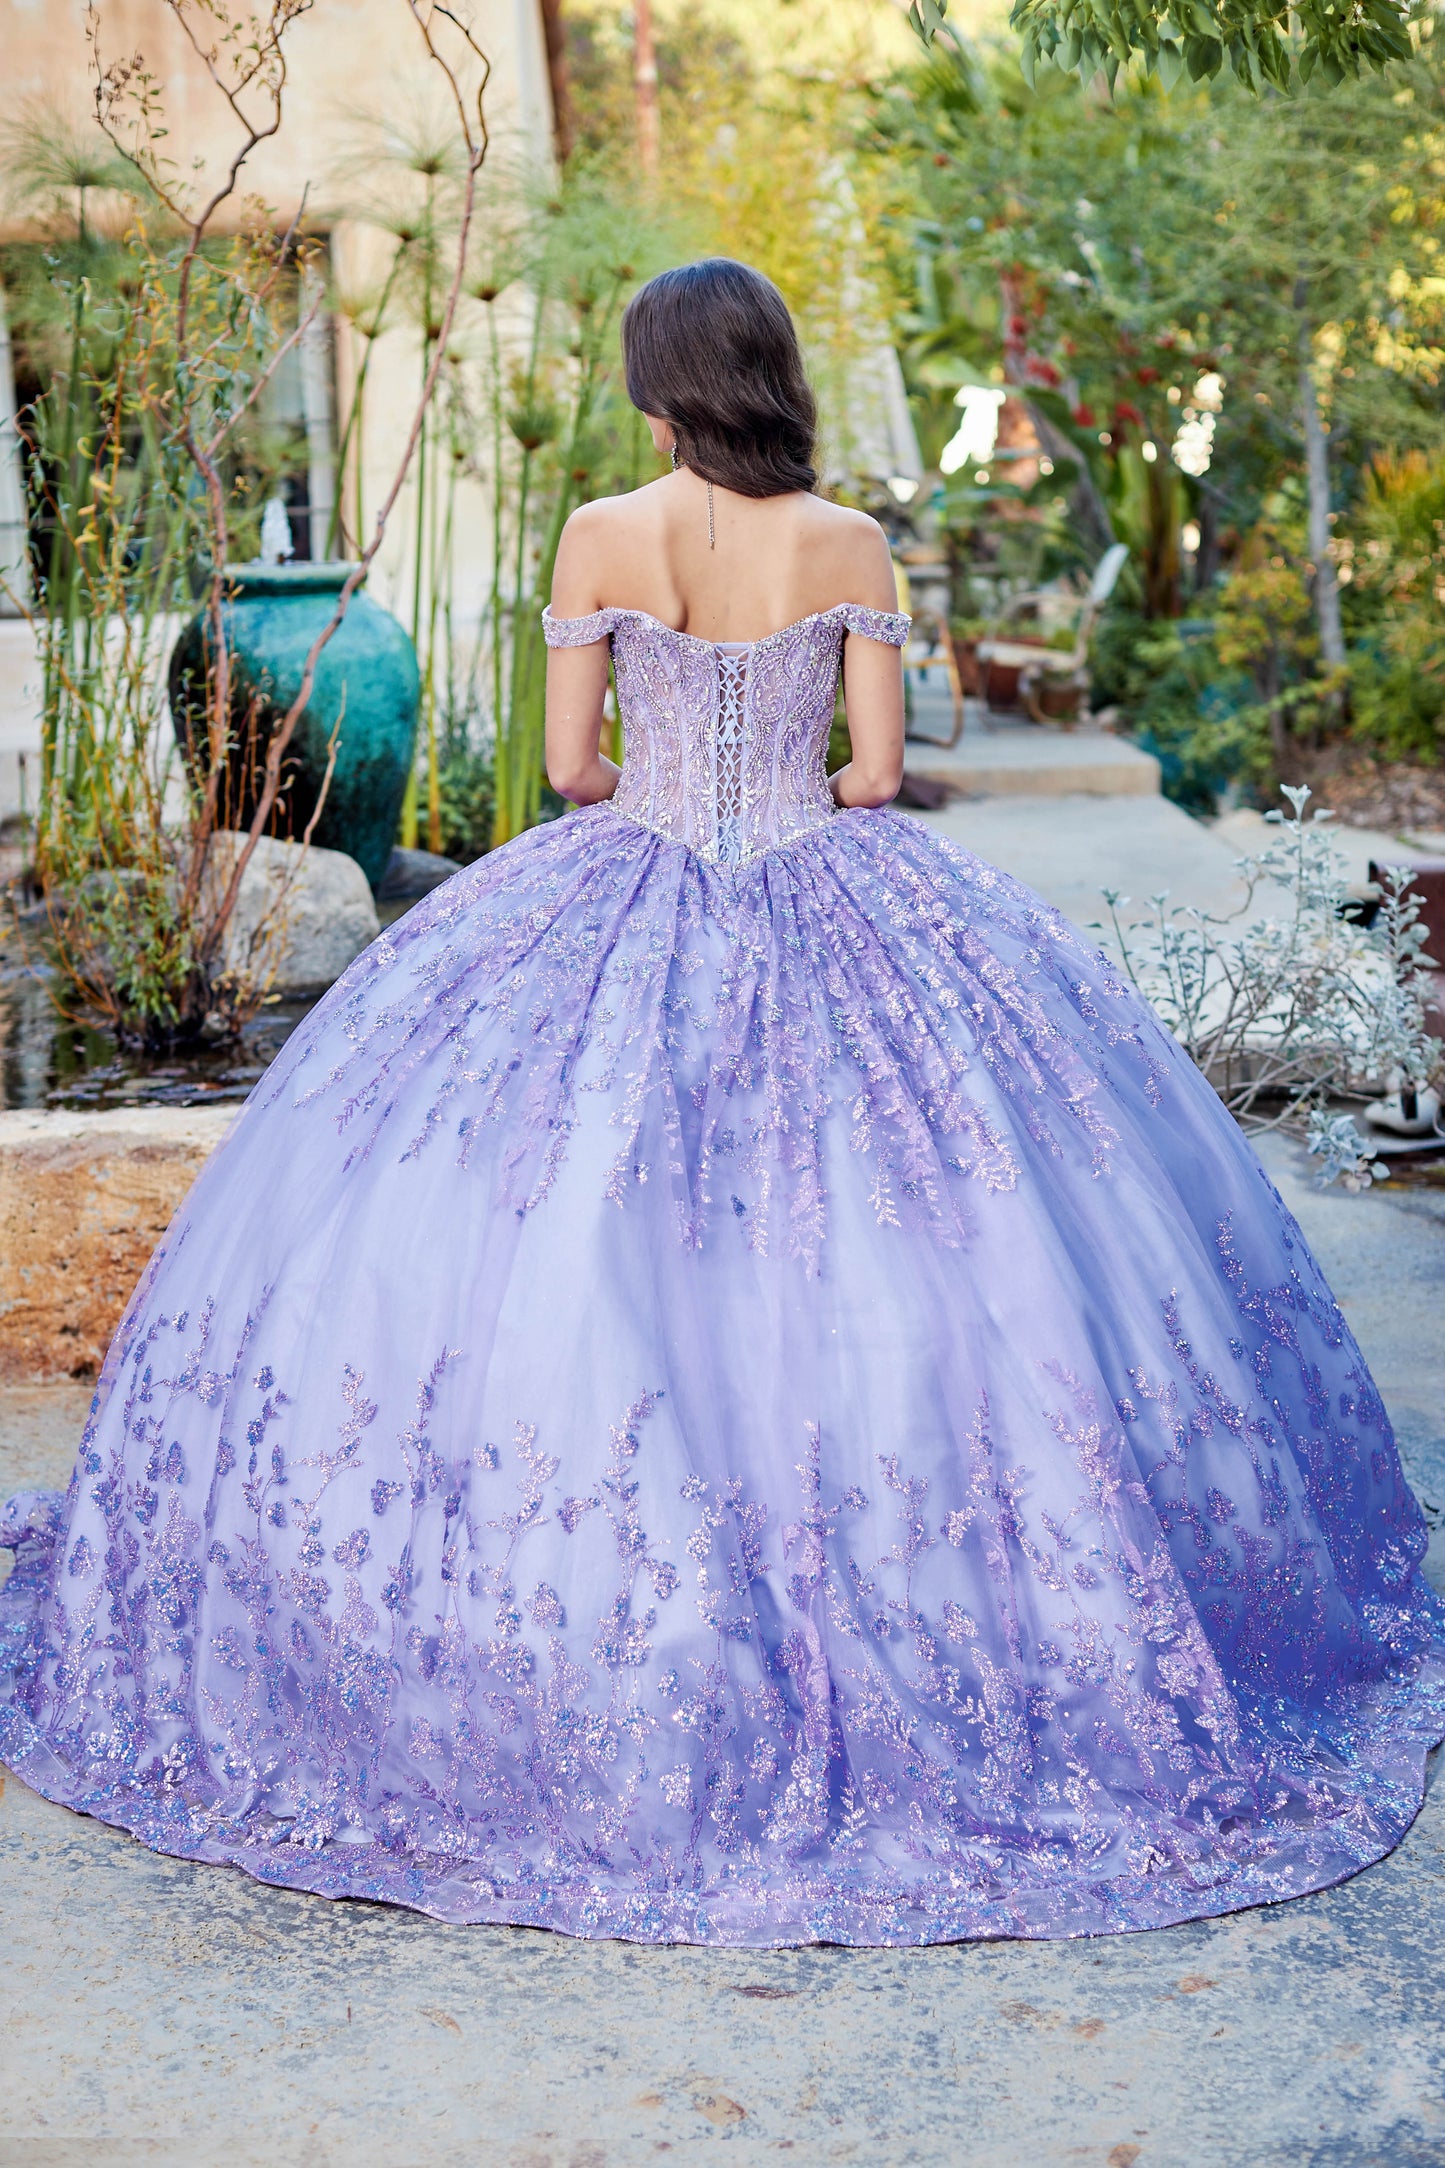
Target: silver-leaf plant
<point x="1293" y="1003"/>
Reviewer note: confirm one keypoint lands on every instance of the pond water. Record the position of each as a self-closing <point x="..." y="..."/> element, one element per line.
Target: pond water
<point x="49" y="1060"/>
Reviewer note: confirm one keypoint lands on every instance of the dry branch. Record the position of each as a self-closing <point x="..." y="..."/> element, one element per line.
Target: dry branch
<point x="246" y="56"/>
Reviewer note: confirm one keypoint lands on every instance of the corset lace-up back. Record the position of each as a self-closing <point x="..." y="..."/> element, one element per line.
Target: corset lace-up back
<point x="726" y="741"/>
<point x="732" y="701"/>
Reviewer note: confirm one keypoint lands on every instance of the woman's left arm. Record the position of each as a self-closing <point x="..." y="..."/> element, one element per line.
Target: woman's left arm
<point x="872" y="687"/>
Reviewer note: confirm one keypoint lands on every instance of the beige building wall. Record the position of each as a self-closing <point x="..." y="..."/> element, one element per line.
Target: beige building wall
<point x="345" y="58"/>
<point x="351" y="64"/>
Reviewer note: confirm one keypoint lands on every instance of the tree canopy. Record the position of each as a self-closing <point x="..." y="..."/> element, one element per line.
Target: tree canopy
<point x="1264" y="43"/>
<point x="1225" y="315"/>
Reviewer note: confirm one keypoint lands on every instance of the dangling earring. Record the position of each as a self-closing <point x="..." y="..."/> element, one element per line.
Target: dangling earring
<point x="676" y="462"/>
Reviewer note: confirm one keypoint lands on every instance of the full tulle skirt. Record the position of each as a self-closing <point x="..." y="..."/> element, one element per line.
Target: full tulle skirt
<point x="746" y="1406"/>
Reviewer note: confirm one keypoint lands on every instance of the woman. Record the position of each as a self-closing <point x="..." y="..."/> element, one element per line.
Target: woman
<point x="731" y="1384"/>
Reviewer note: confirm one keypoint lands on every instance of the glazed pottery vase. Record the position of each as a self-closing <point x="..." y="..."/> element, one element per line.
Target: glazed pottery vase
<point x="366" y="692"/>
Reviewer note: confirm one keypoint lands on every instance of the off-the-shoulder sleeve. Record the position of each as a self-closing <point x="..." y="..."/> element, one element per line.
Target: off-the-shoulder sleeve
<point x="579" y="631"/>
<point x="889" y="625"/>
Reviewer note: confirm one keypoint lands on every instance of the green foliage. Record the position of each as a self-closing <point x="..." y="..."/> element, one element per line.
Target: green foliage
<point x="576" y="435"/>
<point x="760" y="114"/>
<point x="1159" y="276"/>
<point x="1264" y="44"/>
<point x="1394" y="601"/>
<point x="466" y="797"/>
<point x="119" y="529"/>
<point x="1229" y="698"/>
<point x="131" y="923"/>
<point x="1103" y="255"/>
<point x="529" y="409"/>
<point x="137" y="438"/>
<point x="1183" y="705"/>
<point x="757" y="163"/>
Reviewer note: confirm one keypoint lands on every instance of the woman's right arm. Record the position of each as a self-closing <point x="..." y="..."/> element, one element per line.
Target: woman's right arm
<point x="577" y="676"/>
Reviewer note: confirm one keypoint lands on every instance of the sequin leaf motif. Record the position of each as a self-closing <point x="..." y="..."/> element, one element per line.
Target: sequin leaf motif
<point x="989" y="1698"/>
<point x="716" y="1032"/>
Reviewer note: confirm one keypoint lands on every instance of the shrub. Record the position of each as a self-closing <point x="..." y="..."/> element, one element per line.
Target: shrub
<point x="1291" y="1004"/>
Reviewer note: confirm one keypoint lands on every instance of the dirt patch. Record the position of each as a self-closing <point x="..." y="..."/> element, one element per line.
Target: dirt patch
<point x="1363" y="792"/>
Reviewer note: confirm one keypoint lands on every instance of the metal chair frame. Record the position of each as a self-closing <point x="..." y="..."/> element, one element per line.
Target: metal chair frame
<point x="1041" y="668"/>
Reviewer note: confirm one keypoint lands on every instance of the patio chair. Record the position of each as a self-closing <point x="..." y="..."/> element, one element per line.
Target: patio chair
<point x="922" y="655"/>
<point x="1050" y="684"/>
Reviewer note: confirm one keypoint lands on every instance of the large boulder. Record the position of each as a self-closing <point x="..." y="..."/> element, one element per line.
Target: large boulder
<point x="84" y="1199"/>
<point x="302" y="915"/>
<point x="410" y="874"/>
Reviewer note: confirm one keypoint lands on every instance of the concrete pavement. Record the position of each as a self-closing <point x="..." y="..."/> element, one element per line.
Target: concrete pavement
<point x="1069" y="812"/>
<point x="1070" y="849"/>
<point x="1017" y="759"/>
<point x="1075" y="812"/>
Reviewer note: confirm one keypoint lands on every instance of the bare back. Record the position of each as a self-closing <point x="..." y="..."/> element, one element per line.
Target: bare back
<point x="769" y="562"/>
<point x="773" y="560"/>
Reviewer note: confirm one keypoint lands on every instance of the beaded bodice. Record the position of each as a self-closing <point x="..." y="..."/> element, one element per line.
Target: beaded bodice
<point x="725" y="743"/>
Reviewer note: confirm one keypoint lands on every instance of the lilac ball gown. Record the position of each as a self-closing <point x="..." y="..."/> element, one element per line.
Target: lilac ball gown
<point x="732" y="1385"/>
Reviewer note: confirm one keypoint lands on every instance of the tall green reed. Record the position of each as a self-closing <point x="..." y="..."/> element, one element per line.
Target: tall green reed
<point x="143" y="459"/>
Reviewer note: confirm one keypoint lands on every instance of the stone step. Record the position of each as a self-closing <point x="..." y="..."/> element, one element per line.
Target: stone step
<point x="1022" y="760"/>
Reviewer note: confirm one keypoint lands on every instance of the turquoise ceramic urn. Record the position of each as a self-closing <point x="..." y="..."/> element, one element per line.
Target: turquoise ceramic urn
<point x="366" y="691"/>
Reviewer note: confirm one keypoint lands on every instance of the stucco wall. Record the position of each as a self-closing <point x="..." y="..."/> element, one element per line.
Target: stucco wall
<point x="345" y="58"/>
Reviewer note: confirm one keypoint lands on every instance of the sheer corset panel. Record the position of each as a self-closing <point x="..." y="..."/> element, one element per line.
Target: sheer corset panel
<point x="726" y="741"/>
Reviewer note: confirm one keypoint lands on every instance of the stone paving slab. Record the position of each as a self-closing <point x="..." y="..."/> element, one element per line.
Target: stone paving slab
<point x="154" y="2011"/>
<point x="1022" y="759"/>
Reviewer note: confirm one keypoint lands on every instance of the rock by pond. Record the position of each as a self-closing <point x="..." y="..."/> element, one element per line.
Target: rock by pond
<point x="410" y="874"/>
<point x="301" y="916"/>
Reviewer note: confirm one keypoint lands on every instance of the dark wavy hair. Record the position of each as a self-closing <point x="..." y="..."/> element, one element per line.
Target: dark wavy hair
<point x="711" y="348"/>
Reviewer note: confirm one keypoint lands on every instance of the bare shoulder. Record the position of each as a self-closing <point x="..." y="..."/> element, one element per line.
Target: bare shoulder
<point x="595" y="548"/>
<point x="855" y="551"/>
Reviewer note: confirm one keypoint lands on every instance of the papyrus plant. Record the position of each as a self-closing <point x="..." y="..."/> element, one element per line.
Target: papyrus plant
<point x="141" y="898"/>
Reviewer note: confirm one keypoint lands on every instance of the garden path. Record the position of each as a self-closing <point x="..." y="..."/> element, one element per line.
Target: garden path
<point x="1075" y="812"/>
<point x="1069" y="812"/>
